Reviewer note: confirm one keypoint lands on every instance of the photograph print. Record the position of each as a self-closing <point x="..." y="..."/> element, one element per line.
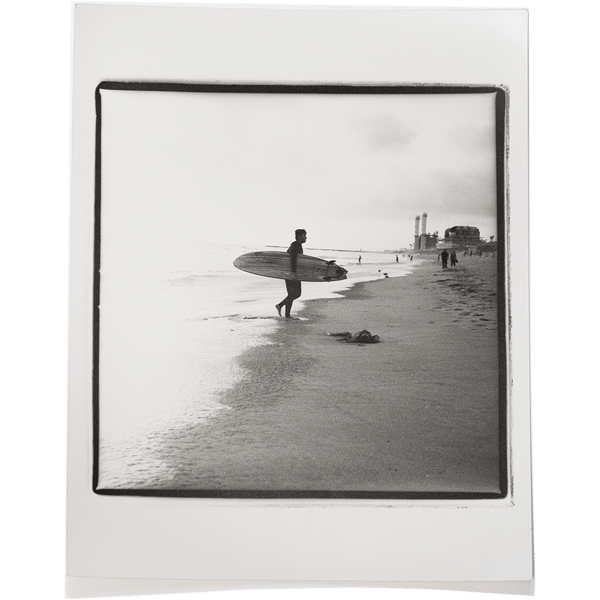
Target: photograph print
<point x="299" y="291"/>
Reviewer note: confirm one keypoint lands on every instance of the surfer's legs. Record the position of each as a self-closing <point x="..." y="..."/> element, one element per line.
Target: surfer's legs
<point x="294" y="290"/>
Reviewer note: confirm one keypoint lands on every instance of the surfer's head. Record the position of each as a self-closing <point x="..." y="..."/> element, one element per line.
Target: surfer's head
<point x="301" y="235"/>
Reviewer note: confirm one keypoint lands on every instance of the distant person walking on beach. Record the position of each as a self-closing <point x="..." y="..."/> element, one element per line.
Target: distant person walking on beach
<point x="397" y="258"/>
<point x="359" y="259"/>
<point x="293" y="286"/>
<point x="444" y="256"/>
<point x="453" y="259"/>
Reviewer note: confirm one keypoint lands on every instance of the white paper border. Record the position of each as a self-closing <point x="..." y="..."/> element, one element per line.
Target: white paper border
<point x="110" y="537"/>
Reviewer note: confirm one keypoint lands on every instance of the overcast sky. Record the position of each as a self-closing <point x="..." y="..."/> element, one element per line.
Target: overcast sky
<point x="354" y="170"/>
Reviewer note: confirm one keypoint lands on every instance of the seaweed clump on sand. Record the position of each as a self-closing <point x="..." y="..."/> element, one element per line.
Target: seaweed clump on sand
<point x="360" y="337"/>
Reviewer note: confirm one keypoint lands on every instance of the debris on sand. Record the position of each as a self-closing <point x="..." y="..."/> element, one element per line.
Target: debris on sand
<point x="360" y="337"/>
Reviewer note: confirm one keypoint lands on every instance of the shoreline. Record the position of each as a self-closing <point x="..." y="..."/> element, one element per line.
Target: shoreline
<point x="417" y="412"/>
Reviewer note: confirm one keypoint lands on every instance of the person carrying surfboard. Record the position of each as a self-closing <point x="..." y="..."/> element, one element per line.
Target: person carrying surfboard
<point x="293" y="286"/>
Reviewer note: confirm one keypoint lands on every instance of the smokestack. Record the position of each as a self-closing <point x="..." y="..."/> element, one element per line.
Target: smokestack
<point x="417" y="238"/>
<point x="424" y="224"/>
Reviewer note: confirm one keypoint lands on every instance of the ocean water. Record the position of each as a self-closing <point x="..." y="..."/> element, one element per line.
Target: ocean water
<point x="168" y="343"/>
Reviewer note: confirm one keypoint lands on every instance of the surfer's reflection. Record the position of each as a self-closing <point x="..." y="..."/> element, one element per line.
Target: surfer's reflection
<point x="293" y="286"/>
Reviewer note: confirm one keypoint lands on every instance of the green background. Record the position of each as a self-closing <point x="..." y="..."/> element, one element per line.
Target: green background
<point x="35" y="42"/>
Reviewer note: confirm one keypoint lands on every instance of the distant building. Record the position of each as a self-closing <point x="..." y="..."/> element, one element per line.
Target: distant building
<point x="424" y="240"/>
<point x="462" y="235"/>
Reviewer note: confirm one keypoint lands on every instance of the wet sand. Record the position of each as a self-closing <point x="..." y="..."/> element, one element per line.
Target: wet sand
<point x="417" y="412"/>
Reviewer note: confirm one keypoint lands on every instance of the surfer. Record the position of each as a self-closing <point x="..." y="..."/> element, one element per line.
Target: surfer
<point x="293" y="286"/>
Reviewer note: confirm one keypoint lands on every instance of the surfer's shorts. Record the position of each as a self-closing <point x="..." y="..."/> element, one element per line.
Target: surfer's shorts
<point x="294" y="288"/>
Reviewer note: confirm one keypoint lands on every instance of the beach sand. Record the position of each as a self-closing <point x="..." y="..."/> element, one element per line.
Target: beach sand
<point x="417" y="412"/>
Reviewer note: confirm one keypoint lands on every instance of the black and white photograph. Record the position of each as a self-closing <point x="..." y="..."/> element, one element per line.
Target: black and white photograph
<point x="298" y="304"/>
<point x="301" y="291"/>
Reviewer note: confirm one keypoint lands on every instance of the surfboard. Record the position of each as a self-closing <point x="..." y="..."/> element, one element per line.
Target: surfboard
<point x="277" y="265"/>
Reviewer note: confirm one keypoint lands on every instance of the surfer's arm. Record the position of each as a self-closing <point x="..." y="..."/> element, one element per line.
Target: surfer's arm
<point x="293" y="251"/>
<point x="294" y="264"/>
